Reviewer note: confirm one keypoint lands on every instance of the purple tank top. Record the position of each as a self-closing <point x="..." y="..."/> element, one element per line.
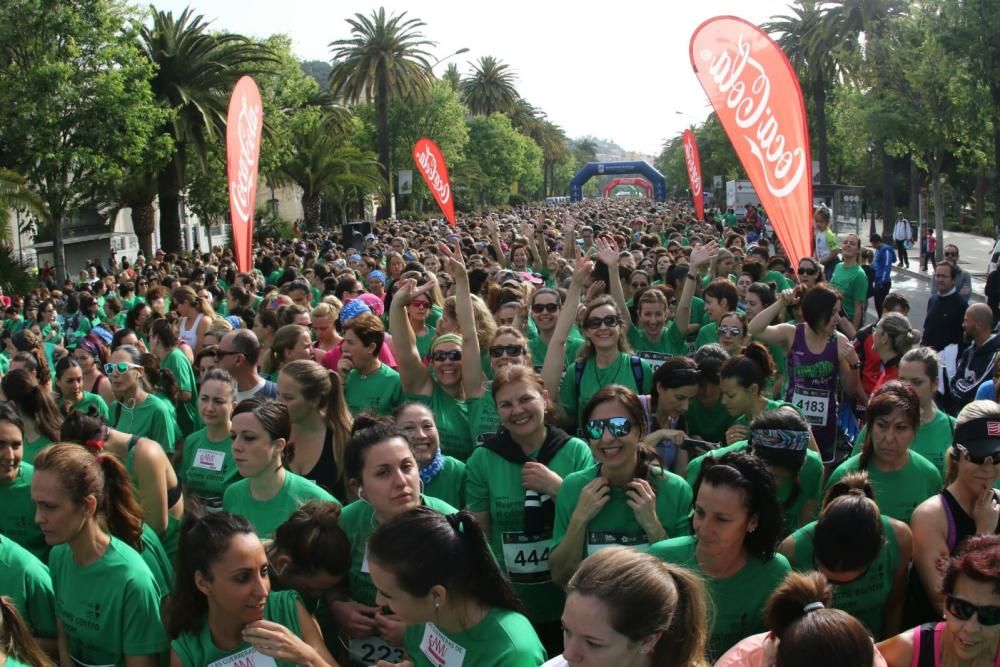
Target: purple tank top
<point x="812" y="388"/>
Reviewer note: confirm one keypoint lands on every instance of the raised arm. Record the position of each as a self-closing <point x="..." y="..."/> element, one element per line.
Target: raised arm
<point x="552" y="369"/>
<point x="472" y="367"/>
<point x="528" y="230"/>
<point x="760" y="327"/>
<point x="413" y="375"/>
<point x="494" y="233"/>
<point x="700" y="256"/>
<point x="569" y="236"/>
<point x="607" y="252"/>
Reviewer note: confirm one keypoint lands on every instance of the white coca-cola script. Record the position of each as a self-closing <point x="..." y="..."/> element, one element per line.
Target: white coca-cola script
<point x="242" y="187"/>
<point x="748" y="90"/>
<point x="428" y="165"/>
<point x="692" y="169"/>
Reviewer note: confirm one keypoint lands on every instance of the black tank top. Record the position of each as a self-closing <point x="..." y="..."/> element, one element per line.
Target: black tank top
<point x="960" y="524"/>
<point x="926" y="655"/>
<point x="324" y="472"/>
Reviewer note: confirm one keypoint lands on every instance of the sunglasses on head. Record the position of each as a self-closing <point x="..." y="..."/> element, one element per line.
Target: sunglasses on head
<point x="610" y="321"/>
<point x="446" y="355"/>
<point x="120" y="368"/>
<point x="807" y="271"/>
<point x="963" y="611"/>
<point x="731" y="331"/>
<point x="498" y="351"/>
<point x="618" y="427"/>
<point x="993" y="458"/>
<point x="544" y="307"/>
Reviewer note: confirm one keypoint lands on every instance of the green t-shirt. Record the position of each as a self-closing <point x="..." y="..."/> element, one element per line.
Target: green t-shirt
<point x="17" y="514"/>
<point x="574" y="396"/>
<point x="769" y="405"/>
<point x="707" y="334"/>
<point x="381" y="392"/>
<point x="207" y="467"/>
<point x="852" y="283"/>
<point x="931" y="441"/>
<point x="484" y="420"/>
<point x="358" y="521"/>
<point x="616" y="524"/>
<point x="670" y="343"/>
<point x="154" y="554"/>
<point x="32" y="447"/>
<point x="26" y="580"/>
<point x="452" y="418"/>
<point x="897" y="493"/>
<point x="424" y="342"/>
<point x="198" y="650"/>
<point x="449" y="484"/>
<point x="150" y="419"/>
<point x="267" y="515"/>
<point x="539" y="348"/>
<point x="504" y="638"/>
<point x="708" y="423"/>
<point x="494" y="486"/>
<point x="738" y="601"/>
<point x="95" y="401"/>
<point x="108" y="609"/>
<point x="810" y="483"/>
<point x="778" y="279"/>
<point x="863" y="598"/>
<point x="187" y="411"/>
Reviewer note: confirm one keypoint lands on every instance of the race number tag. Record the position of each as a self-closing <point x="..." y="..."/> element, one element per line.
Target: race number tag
<point x="439" y="650"/>
<point x="655" y="359"/>
<point x="209" y="459"/>
<point x="370" y="650"/>
<point x="597" y="540"/>
<point x="246" y="658"/>
<point x="814" y="404"/>
<point x="526" y="557"/>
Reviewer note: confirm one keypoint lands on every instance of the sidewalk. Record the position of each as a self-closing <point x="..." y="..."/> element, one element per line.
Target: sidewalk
<point x="973" y="256"/>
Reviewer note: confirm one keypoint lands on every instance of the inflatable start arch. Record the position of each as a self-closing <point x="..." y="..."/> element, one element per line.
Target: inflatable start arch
<point x="637" y="182"/>
<point x="642" y="168"/>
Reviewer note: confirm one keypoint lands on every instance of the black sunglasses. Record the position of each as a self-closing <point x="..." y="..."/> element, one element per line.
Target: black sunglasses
<point x="544" y="307"/>
<point x="498" y="351"/>
<point x="993" y="458"/>
<point x="963" y="611"/>
<point x="807" y="272"/>
<point x="610" y="321"/>
<point x="225" y="353"/>
<point x="446" y="355"/>
<point x="951" y="254"/>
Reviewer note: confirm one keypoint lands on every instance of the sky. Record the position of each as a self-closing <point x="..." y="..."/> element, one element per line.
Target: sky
<point x="618" y="72"/>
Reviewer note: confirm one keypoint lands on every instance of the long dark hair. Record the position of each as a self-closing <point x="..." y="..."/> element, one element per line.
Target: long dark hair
<point x="890" y="396"/>
<point x="22" y="389"/>
<point x="423" y="548"/>
<point x="16" y="640"/>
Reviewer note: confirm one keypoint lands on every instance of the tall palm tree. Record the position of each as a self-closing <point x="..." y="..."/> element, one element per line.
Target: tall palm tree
<point x="490" y="88"/>
<point x="195" y="72"/>
<point x="384" y="58"/>
<point x="452" y="76"/>
<point x="16" y="194"/>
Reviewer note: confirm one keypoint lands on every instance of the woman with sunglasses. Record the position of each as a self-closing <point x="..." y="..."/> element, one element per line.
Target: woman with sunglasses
<point x="92" y="355"/>
<point x="419" y="310"/>
<point x="36" y="408"/>
<point x="442" y="476"/>
<point x="969" y="635"/>
<point x="969" y="504"/>
<point x="135" y="409"/>
<point x="625" y="498"/>
<point x="48" y="321"/>
<point x="439" y="386"/>
<point x="902" y="478"/>
<point x="207" y="467"/>
<point x="736" y="523"/>
<point x="864" y="554"/>
<point x="513" y="481"/>
<point x="732" y="332"/>
<point x="809" y="272"/>
<point x="545" y="305"/>
<point x="154" y="482"/>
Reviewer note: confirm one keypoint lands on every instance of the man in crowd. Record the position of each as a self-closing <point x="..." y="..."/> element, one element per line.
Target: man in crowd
<point x="963" y="281"/>
<point x="884" y="259"/>
<point x="975" y="365"/>
<point x="238" y="352"/>
<point x="850" y="280"/>
<point x="945" y="312"/>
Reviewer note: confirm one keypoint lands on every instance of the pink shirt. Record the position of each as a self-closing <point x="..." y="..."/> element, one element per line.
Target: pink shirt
<point x="750" y="653"/>
<point x="385" y="355"/>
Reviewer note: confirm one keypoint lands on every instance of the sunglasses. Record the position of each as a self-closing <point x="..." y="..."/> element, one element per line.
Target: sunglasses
<point x="618" y="426"/>
<point x="963" y="611"/>
<point x="951" y="254"/>
<point x="807" y="272"/>
<point x="447" y="355"/>
<point x="119" y="368"/>
<point x="639" y="285"/>
<point x="421" y="304"/>
<point x="544" y="307"/>
<point x="993" y="458"/>
<point x="610" y="321"/>
<point x="498" y="351"/>
<point x="730" y="331"/>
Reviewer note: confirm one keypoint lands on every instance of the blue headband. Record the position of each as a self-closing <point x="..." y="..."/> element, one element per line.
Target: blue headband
<point x="777" y="438"/>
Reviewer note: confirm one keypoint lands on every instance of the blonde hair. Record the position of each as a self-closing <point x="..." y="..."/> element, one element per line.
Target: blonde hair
<point x="902" y="337"/>
<point x="973" y="410"/>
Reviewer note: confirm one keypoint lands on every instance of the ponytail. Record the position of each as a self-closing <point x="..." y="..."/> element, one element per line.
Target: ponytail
<point x="16" y="640"/>
<point x="23" y="389"/>
<point x="686" y="639"/>
<point x="123" y="513"/>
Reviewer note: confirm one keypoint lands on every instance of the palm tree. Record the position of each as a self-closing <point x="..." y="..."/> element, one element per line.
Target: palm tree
<point x="15" y="194"/>
<point x="195" y="72"/>
<point x="384" y="58"/>
<point x="490" y="88"/>
<point x="452" y="76"/>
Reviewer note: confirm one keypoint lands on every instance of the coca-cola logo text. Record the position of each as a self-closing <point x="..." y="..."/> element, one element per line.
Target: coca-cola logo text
<point x="692" y="168"/>
<point x="748" y="90"/>
<point x="242" y="187"/>
<point x="428" y="164"/>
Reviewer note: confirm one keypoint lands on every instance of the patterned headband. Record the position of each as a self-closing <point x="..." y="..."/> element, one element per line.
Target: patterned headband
<point x="774" y="438"/>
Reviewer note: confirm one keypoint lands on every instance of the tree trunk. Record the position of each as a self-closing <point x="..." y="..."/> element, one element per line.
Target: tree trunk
<point x="143" y="225"/>
<point x="980" y="194"/>
<point x="169" y="188"/>
<point x="914" y="189"/>
<point x="935" y="168"/>
<point x="382" y="129"/>
<point x="819" y="99"/>
<point x="888" y="194"/>
<point x="58" y="252"/>
<point x="311" y="208"/>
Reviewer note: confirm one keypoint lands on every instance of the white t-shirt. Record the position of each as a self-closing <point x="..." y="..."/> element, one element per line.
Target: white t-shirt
<point x="557" y="661"/>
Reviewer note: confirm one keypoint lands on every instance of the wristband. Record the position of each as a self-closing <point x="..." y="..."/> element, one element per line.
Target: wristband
<point x="692" y="276"/>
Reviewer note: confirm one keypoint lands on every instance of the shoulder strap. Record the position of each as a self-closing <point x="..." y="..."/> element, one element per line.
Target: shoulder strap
<point x="949" y="518"/>
<point x="637" y="374"/>
<point x="578" y="370"/>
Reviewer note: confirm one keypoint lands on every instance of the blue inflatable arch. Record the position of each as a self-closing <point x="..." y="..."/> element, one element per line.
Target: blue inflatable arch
<point x="592" y="169"/>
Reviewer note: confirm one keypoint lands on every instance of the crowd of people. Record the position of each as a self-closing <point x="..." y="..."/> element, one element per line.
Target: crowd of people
<point x="599" y="434"/>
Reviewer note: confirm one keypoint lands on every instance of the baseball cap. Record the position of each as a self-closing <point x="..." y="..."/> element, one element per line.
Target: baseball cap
<point x="979" y="436"/>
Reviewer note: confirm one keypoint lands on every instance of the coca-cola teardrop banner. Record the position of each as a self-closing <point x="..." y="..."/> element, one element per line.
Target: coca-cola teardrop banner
<point x="694" y="172"/>
<point x="757" y="97"/>
<point x="244" y="123"/>
<point x="430" y="163"/>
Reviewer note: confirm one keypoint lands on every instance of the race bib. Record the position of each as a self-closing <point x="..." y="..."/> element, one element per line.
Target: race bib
<point x="209" y="459"/>
<point x="655" y="359"/>
<point x="814" y="404"/>
<point x="246" y="658"/>
<point x="370" y="650"/>
<point x="597" y="540"/>
<point x="526" y="557"/>
<point x="439" y="650"/>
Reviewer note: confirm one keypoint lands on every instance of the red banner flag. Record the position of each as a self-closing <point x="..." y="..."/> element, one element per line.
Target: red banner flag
<point x="757" y="97"/>
<point x="694" y="172"/>
<point x="432" y="167"/>
<point x="244" y="123"/>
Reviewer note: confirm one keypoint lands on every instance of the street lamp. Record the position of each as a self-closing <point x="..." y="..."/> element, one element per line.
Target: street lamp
<point x="450" y="55"/>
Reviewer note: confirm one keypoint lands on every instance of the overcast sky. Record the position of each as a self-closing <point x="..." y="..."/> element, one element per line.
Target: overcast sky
<point x="617" y="71"/>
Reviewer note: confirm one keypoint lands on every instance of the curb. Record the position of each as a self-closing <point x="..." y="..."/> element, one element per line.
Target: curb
<point x="978" y="284"/>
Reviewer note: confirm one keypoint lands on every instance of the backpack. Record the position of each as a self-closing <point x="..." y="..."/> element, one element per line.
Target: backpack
<point x="634" y="361"/>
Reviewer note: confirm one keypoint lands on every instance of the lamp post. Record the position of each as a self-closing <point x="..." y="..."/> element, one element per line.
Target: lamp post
<point x="459" y="52"/>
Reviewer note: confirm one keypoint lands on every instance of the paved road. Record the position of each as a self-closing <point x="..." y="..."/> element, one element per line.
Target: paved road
<point x="914" y="288"/>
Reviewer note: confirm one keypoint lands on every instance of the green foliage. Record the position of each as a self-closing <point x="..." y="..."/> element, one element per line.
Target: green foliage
<point x="517" y="199"/>
<point x="499" y="150"/>
<point x="16" y="277"/>
<point x="269" y="225"/>
<point x="16" y="194"/>
<point x="490" y="88"/>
